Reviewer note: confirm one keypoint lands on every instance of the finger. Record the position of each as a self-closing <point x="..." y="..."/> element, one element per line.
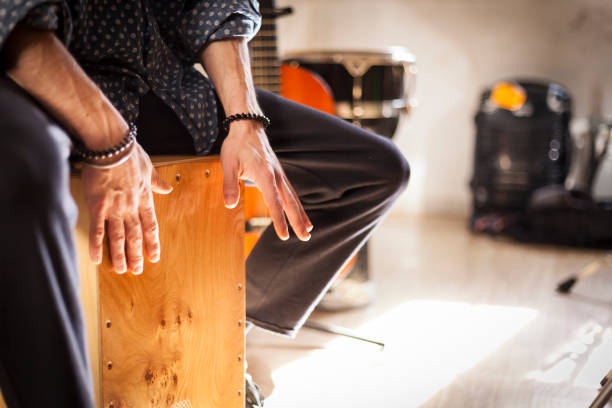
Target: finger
<point x="133" y="244"/>
<point x="96" y="233"/>
<point x="231" y="185"/>
<point x="305" y="218"/>
<point x="150" y="230"/>
<point x="158" y="185"/>
<point x="292" y="208"/>
<point x="272" y="198"/>
<point x="116" y="237"/>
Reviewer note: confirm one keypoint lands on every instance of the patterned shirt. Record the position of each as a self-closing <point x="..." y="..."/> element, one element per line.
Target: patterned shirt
<point x="131" y="47"/>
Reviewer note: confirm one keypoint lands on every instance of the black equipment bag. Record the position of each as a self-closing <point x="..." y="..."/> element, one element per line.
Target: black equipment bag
<point x="521" y="161"/>
<point x="518" y="152"/>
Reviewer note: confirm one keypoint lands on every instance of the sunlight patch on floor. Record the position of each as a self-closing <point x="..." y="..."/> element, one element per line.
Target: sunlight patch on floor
<point x="428" y="344"/>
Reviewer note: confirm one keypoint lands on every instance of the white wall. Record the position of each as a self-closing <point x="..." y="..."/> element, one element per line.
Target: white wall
<point x="461" y="47"/>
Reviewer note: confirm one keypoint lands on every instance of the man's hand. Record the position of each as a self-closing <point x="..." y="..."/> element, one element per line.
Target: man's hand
<point x="121" y="197"/>
<point x="246" y="154"/>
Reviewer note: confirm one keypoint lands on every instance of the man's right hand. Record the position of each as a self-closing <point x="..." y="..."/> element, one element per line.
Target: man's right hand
<point x="120" y="199"/>
<point x="120" y="203"/>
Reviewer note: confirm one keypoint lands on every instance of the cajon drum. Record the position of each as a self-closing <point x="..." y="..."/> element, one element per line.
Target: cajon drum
<point x="174" y="336"/>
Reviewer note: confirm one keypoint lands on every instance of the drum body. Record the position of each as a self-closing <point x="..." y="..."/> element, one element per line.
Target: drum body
<point x="371" y="88"/>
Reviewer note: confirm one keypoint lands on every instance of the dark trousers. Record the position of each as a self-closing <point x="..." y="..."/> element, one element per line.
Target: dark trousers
<point x="345" y="177"/>
<point x="43" y="356"/>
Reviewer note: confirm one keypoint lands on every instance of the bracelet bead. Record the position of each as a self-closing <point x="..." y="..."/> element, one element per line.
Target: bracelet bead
<point x="265" y="121"/>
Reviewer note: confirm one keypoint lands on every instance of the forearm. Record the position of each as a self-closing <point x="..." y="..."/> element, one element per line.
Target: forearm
<point x="39" y="63"/>
<point x="227" y="64"/>
<point x="246" y="152"/>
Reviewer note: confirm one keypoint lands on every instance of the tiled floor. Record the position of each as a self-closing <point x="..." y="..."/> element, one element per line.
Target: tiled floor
<point x="468" y="321"/>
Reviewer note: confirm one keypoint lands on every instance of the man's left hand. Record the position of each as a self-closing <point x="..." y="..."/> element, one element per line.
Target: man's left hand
<point x="246" y="154"/>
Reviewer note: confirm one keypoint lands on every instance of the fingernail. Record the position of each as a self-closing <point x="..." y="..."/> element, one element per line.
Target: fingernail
<point x="309" y="228"/>
<point x="306" y="238"/>
<point x="230" y="202"/>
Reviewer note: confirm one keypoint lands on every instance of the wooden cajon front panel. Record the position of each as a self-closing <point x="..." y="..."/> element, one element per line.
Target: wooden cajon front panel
<point x="174" y="336"/>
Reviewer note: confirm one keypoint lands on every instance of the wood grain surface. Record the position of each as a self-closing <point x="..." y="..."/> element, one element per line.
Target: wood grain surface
<point x="174" y="335"/>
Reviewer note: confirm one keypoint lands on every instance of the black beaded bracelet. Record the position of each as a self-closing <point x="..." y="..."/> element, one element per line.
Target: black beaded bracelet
<point x="265" y="121"/>
<point x="91" y="156"/>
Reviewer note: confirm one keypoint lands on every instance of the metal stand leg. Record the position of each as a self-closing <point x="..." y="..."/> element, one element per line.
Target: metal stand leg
<point x="604" y="394"/>
<point x="328" y="328"/>
<point x="567" y="285"/>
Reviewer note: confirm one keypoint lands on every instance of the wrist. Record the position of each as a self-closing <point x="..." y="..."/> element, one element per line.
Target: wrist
<point x="242" y="126"/>
<point x="111" y="156"/>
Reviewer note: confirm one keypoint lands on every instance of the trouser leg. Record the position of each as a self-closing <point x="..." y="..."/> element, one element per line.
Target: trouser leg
<point x="43" y="356"/>
<point x="347" y="179"/>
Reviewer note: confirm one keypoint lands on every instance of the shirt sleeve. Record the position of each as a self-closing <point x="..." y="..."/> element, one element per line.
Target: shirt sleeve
<point x="39" y="14"/>
<point x="204" y="21"/>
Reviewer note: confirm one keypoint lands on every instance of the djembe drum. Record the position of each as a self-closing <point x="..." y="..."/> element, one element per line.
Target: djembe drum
<point x="371" y="89"/>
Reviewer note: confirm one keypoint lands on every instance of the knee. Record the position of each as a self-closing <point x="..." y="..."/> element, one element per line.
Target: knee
<point x="403" y="171"/>
<point x="393" y="169"/>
